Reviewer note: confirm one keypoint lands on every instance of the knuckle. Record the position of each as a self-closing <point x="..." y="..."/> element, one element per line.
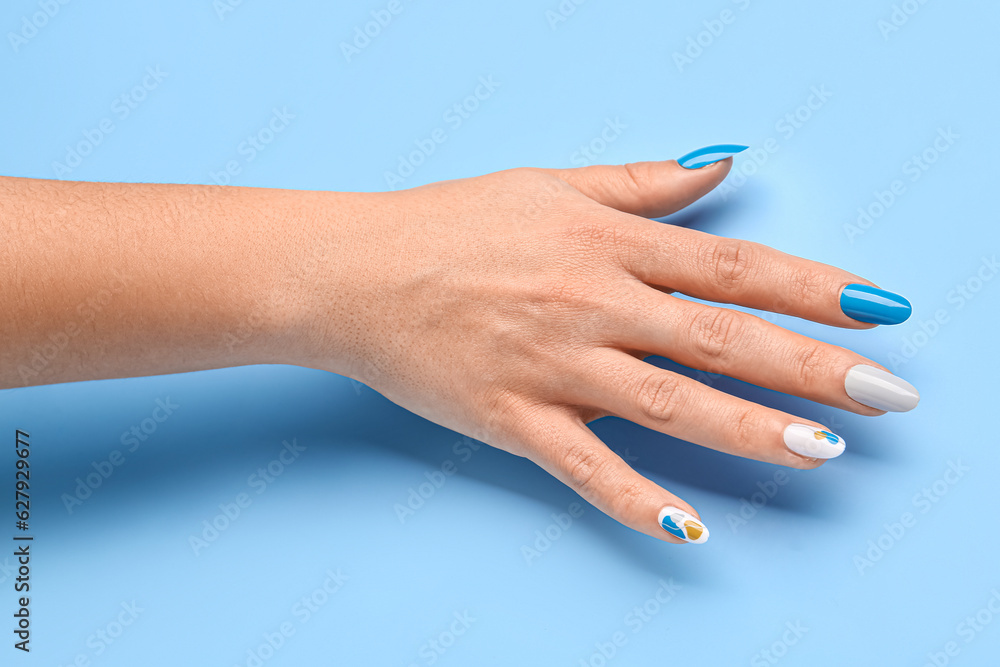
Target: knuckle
<point x="659" y="397"/>
<point x="746" y="427"/>
<point x="596" y="233"/>
<point x="583" y="465"/>
<point x="731" y="261"/>
<point x="507" y="415"/>
<point x="629" y="498"/>
<point x="628" y="244"/>
<point x="601" y="240"/>
<point x="714" y="331"/>
<point x="562" y="292"/>
<point x="499" y="407"/>
<point x="636" y="177"/>
<point x="810" y="363"/>
<point x="806" y="286"/>
<point x="567" y="309"/>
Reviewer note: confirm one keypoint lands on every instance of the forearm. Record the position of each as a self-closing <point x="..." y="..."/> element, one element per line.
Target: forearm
<point x="106" y="280"/>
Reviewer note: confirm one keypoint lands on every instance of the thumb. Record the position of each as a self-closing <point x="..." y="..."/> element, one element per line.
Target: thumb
<point x="654" y="189"/>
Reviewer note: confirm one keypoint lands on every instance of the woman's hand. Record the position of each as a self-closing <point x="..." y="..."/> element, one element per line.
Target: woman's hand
<point x="514" y="307"/>
<point x="517" y="307"/>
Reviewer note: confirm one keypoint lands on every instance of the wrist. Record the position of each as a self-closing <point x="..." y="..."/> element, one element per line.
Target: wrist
<point x="319" y="250"/>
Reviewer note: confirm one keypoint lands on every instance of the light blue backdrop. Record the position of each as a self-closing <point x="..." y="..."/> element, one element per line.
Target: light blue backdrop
<point x="887" y="555"/>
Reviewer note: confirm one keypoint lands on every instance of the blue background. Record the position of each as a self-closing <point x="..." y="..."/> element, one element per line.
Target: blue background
<point x="797" y="559"/>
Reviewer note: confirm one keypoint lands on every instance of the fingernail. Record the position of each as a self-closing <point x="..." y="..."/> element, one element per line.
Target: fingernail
<point x="709" y="155"/>
<point x="812" y="442"/>
<point x="680" y="524"/>
<point x="880" y="389"/>
<point x="865" y="303"/>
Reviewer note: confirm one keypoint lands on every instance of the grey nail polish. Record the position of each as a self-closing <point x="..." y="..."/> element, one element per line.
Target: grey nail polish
<point x="880" y="389"/>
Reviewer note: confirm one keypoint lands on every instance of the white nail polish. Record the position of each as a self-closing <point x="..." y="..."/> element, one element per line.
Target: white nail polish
<point x="681" y="524"/>
<point x="812" y="442"/>
<point x="880" y="389"/>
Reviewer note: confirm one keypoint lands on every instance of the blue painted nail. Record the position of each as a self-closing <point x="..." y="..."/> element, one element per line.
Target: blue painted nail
<point x="709" y="155"/>
<point x="865" y="303"/>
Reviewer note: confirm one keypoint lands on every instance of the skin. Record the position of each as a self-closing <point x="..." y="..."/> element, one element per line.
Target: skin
<point x="514" y="307"/>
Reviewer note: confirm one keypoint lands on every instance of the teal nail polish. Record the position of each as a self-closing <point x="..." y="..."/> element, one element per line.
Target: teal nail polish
<point x="865" y="303"/>
<point x="709" y="155"/>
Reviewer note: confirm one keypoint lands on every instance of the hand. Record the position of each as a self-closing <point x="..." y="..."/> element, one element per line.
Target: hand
<point x="517" y="307"/>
